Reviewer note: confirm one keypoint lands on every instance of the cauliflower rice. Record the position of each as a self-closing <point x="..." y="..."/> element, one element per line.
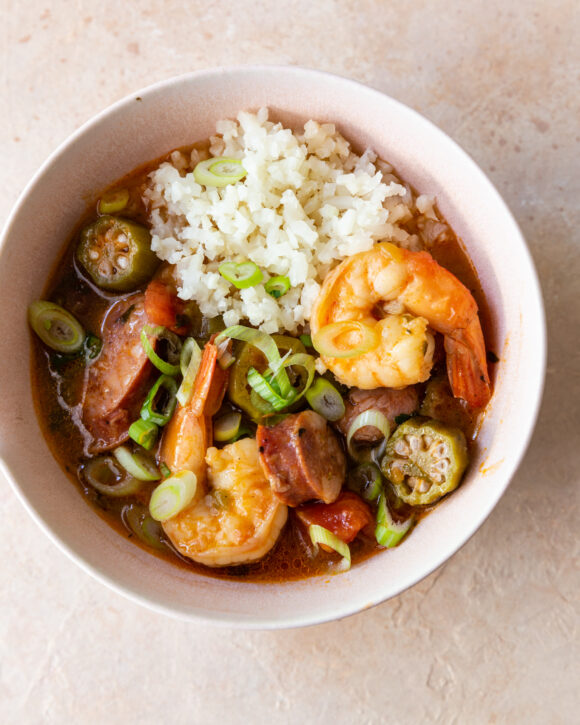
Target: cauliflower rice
<point x="307" y="202"/>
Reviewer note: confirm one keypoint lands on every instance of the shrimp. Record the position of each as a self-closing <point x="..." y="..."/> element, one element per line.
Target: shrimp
<point x="404" y="296"/>
<point x="234" y="517"/>
<point x="237" y="519"/>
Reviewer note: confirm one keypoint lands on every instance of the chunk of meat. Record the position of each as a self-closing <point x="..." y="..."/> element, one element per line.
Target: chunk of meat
<point x="389" y="401"/>
<point x="117" y="382"/>
<point x="344" y="518"/>
<point x="302" y="458"/>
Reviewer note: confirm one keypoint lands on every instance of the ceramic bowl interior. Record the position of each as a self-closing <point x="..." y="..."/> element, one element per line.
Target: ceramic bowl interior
<point x="181" y="111"/>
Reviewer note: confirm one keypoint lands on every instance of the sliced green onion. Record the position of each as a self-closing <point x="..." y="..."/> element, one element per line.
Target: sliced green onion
<point x="219" y="171"/>
<point x="227" y="427"/>
<point x="189" y="363"/>
<point x="160" y="402"/>
<point x="389" y="533"/>
<point x="266" y="390"/>
<point x="113" y="201"/>
<point x="325" y="340"/>
<point x="165" y="470"/>
<point x="325" y="399"/>
<point x="173" y="495"/>
<point x="372" y="417"/>
<point x="56" y="327"/>
<point x="104" y="475"/>
<point x="277" y="286"/>
<point x="93" y="346"/>
<point x="266" y="344"/>
<point x="243" y="432"/>
<point x="366" y="480"/>
<point x="137" y="518"/>
<point x="144" y="432"/>
<point x="138" y="465"/>
<point x="306" y="340"/>
<point x="305" y="361"/>
<point x="320" y="535"/>
<point x="164" y="366"/>
<point x="241" y="274"/>
<point x="262" y="406"/>
<point x="266" y="386"/>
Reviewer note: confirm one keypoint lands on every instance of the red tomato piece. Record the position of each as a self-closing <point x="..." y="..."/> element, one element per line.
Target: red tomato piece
<point x="344" y="518"/>
<point x="163" y="306"/>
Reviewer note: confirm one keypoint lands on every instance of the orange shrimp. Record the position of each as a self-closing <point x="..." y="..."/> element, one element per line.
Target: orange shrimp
<point x="234" y="516"/>
<point x="412" y="295"/>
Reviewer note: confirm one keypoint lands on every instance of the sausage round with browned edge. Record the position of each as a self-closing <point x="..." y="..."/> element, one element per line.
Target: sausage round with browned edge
<point x="117" y="382"/>
<point x="302" y="458"/>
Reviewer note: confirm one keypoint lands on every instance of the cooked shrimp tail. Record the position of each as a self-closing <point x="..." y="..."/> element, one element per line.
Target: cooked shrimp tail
<point x="210" y="384"/>
<point x="189" y="432"/>
<point x="467" y="365"/>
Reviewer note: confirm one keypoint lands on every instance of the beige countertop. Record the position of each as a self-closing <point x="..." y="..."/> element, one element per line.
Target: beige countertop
<point x="492" y="636"/>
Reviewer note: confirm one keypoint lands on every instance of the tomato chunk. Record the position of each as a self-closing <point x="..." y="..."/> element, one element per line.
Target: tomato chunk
<point x="163" y="306"/>
<point x="344" y="518"/>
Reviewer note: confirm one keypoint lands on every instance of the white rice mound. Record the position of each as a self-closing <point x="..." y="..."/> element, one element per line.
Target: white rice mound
<point x="307" y="202"/>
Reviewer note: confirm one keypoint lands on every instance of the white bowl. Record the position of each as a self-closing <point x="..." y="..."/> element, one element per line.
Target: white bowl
<point x="178" y="112"/>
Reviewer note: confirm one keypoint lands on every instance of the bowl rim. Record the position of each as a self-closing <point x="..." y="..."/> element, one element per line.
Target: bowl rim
<point x="339" y="611"/>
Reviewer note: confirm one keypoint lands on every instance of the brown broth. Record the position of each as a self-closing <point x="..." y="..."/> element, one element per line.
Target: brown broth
<point x="57" y="385"/>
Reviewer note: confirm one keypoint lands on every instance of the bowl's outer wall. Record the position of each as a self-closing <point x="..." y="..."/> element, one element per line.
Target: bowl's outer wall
<point x="180" y="112"/>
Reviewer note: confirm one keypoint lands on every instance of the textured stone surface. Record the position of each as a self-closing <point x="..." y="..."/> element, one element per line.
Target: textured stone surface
<point x="492" y="636"/>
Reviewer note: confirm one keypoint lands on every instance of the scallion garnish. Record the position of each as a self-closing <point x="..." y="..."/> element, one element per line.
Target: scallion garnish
<point x="189" y="362"/>
<point x="107" y="477"/>
<point x="372" y="417"/>
<point x="144" y="432"/>
<point x="306" y="340"/>
<point x="243" y="432"/>
<point x="56" y="327"/>
<point x="277" y="286"/>
<point x="113" y="201"/>
<point x="325" y="399"/>
<point x="325" y="341"/>
<point x="320" y="535"/>
<point x="266" y="344"/>
<point x="388" y="533"/>
<point x="137" y="518"/>
<point x="173" y="495"/>
<point x="241" y="274"/>
<point x="174" y="344"/>
<point x="219" y="171"/>
<point x="160" y="402"/>
<point x="274" y="386"/>
<point x="227" y="427"/>
<point x="366" y="480"/>
<point x="266" y="391"/>
<point x="137" y="464"/>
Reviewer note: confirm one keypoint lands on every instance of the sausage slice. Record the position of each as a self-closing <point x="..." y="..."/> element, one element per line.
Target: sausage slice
<point x="389" y="401"/>
<point x="302" y="458"/>
<point x="117" y="382"/>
